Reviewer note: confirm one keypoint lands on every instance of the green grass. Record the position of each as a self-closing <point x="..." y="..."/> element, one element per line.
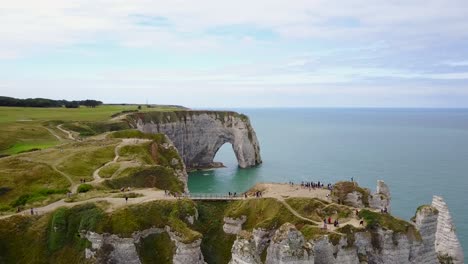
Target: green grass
<point x="34" y="181"/>
<point x="153" y="214"/>
<point x="63" y="232"/>
<point x="178" y="115"/>
<point x="386" y="221"/>
<point x="23" y="136"/>
<point x="267" y="213"/>
<point x="133" y="133"/>
<point x="109" y="170"/>
<point x="216" y="245"/>
<point x="83" y="163"/>
<point x="155" y="151"/>
<point x="312" y="232"/>
<point x="341" y="190"/>
<point x="160" y="177"/>
<point x="94" y="128"/>
<point x="100" y="113"/>
<point x="156" y="247"/>
<point x="23" y="240"/>
<point x="140" y="152"/>
<point x="23" y="128"/>
<point x="317" y="209"/>
<point x="84" y="188"/>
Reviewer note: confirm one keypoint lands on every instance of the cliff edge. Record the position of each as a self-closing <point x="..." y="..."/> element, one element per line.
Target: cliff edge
<point x="198" y="135"/>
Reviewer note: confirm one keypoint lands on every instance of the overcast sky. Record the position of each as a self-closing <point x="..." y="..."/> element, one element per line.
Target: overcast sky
<point x="242" y="53"/>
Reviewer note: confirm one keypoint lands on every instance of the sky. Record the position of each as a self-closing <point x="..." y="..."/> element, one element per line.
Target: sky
<point x="243" y="53"/>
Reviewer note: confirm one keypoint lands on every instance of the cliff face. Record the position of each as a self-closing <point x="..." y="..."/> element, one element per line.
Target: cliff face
<point x="426" y="223"/>
<point x="198" y="135"/>
<point x="447" y="245"/>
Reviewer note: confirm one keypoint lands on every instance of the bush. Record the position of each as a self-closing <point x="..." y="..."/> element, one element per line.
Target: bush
<point x="84" y="188"/>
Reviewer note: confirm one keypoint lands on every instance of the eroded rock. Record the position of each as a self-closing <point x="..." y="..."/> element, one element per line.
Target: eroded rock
<point x="233" y="225"/>
<point x="289" y="246"/>
<point x="198" y="135"/>
<point x="447" y="244"/>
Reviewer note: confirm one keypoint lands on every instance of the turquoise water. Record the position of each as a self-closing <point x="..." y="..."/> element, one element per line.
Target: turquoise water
<point x="418" y="153"/>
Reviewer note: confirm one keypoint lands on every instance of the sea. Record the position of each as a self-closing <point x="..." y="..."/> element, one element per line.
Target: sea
<point x="417" y="152"/>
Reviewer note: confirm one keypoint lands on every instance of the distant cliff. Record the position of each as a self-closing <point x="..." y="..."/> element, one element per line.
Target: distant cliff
<point x="198" y="135"/>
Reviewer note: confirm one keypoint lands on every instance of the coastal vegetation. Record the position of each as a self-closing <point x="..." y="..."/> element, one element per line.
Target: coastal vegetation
<point x="29" y="128"/>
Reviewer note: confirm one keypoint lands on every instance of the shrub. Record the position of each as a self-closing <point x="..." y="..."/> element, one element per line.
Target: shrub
<point x="84" y="188"/>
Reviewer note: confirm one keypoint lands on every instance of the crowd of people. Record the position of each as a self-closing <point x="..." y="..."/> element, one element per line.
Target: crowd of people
<point x="312" y="185"/>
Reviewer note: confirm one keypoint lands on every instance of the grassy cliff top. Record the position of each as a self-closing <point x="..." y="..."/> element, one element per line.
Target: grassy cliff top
<point x="177" y="115"/>
<point x="343" y="188"/>
<point x="26" y="128"/>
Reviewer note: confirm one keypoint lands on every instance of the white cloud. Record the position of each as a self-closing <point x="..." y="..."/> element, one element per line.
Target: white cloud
<point x="455" y="63"/>
<point x="32" y="26"/>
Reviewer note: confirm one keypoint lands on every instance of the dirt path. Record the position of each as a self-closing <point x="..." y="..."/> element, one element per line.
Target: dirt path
<point x="114" y="203"/>
<point x="69" y="133"/>
<point x="55" y="134"/>
<point x="125" y="142"/>
<point x="73" y="185"/>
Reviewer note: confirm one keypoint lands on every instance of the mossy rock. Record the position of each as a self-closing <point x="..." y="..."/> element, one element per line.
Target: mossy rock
<point x="343" y="188"/>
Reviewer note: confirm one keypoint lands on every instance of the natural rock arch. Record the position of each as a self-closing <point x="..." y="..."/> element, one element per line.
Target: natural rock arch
<point x="198" y="135"/>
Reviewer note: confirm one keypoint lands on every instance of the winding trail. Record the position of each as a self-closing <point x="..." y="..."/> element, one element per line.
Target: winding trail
<point x="73" y="185"/>
<point x="125" y="142"/>
<point x="69" y="133"/>
<point x="114" y="203"/>
<point x="52" y="132"/>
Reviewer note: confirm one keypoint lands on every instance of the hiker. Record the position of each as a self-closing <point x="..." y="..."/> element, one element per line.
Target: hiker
<point x="352" y="179"/>
<point x="357" y="212"/>
<point x="32" y="211"/>
<point x="245" y="195"/>
<point x="126" y="198"/>
<point x="329" y="220"/>
<point x="385" y="209"/>
<point x="361" y="223"/>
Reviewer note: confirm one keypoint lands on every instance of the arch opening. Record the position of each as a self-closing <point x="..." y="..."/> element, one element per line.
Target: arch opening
<point x="225" y="157"/>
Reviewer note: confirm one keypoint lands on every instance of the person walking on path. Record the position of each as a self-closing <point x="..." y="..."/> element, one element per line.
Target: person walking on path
<point x="32" y="211"/>
<point x="126" y="198"/>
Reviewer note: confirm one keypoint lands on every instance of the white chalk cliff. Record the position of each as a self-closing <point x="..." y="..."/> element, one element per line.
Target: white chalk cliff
<point x="198" y="135"/>
<point x="447" y="244"/>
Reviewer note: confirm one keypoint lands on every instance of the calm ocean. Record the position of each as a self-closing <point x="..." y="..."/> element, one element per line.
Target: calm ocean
<point x="417" y="152"/>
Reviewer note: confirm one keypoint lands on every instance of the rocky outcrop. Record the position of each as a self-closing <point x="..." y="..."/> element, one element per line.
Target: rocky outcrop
<point x="381" y="198"/>
<point x="354" y="199"/>
<point x="289" y="246"/>
<point x="426" y="223"/>
<point x="186" y="252"/>
<point x="244" y="250"/>
<point x="262" y="238"/>
<point x="447" y="245"/>
<point x="109" y="248"/>
<point x="233" y="225"/>
<point x="198" y="135"/>
<point x="180" y="170"/>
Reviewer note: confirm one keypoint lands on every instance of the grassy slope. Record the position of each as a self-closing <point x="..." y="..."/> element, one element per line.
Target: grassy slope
<point x="109" y="170"/>
<point x="317" y="210"/>
<point x="83" y="163"/>
<point x="22" y="128"/>
<point x="25" y="178"/>
<point x="216" y="245"/>
<point x="265" y="213"/>
<point x="157" y="169"/>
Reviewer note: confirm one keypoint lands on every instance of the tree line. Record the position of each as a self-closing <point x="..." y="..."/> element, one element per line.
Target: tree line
<point x="42" y="102"/>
